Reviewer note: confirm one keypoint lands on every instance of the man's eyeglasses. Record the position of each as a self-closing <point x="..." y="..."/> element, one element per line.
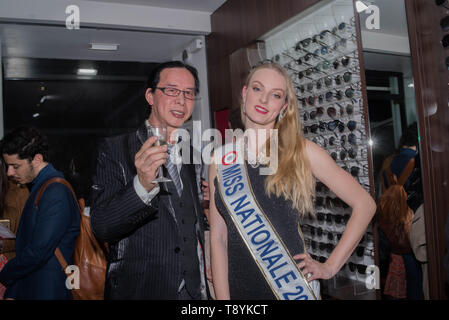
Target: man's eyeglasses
<point x="173" y="92"/>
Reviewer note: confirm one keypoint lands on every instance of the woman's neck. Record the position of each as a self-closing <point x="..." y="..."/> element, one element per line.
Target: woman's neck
<point x="257" y="137"/>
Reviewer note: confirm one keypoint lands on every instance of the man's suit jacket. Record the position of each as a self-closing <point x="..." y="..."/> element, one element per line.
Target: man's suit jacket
<point x="144" y="260"/>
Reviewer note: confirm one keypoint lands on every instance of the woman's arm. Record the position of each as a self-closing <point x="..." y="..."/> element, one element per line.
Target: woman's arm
<point x="219" y="244"/>
<point x="350" y="191"/>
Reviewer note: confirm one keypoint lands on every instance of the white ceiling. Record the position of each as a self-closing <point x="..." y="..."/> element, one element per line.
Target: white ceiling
<point x="54" y="42"/>
<point x="47" y="41"/>
<point x="35" y="39"/>
<point x="195" y="5"/>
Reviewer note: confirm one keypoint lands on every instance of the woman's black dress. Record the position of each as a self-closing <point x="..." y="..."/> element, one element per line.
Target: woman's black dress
<point x="245" y="279"/>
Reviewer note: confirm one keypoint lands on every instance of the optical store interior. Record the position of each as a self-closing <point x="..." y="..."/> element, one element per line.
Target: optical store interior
<point x="363" y="71"/>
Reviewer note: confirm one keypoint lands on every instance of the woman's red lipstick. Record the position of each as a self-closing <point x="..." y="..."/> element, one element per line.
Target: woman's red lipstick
<point x="261" y="109"/>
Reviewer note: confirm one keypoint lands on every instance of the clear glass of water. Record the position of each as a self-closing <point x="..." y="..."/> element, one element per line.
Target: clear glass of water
<point x="161" y="133"/>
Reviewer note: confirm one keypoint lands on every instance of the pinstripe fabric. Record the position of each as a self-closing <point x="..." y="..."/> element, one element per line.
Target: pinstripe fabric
<point x="173" y="172"/>
<point x="143" y="262"/>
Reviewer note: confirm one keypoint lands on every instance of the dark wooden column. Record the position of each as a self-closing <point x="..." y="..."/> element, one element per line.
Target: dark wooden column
<point x="432" y="93"/>
<point x="238" y="24"/>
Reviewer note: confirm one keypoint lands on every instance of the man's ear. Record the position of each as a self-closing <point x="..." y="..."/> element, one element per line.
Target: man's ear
<point x="149" y="96"/>
<point x="37" y="160"/>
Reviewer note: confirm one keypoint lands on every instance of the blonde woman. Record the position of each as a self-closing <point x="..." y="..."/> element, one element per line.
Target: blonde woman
<point x="269" y="102"/>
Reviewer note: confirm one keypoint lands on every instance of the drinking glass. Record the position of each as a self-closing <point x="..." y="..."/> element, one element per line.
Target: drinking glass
<point x="161" y="133"/>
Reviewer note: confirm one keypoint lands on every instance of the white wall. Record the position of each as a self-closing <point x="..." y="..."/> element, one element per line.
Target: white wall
<point x="385" y="43"/>
<point x="107" y="14"/>
<point x="201" y="111"/>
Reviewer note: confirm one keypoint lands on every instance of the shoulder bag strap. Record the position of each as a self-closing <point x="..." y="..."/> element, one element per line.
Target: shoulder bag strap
<point x="58" y="252"/>
<point x="407" y="171"/>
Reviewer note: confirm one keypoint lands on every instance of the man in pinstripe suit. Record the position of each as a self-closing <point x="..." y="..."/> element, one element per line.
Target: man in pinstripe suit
<point x="155" y="232"/>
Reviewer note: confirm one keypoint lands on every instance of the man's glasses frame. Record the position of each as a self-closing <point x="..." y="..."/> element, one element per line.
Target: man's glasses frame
<point x="173" y="92"/>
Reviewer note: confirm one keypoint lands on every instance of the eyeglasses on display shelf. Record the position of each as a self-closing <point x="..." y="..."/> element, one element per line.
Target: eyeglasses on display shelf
<point x="442" y="3"/>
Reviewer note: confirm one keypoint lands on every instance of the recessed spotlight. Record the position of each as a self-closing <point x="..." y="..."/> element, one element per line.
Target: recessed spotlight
<point x="37" y="114"/>
<point x="103" y="46"/>
<point x="87" y="72"/>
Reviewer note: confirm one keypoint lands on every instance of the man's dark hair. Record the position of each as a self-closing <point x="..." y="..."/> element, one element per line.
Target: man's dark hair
<point x="410" y="136"/>
<point x="155" y="76"/>
<point x="235" y="119"/>
<point x="26" y="142"/>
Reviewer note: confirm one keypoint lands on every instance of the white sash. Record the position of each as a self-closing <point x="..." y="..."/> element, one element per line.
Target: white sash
<point x="267" y="249"/>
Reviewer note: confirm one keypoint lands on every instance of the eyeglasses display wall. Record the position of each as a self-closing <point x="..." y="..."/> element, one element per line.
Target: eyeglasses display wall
<point x="320" y="52"/>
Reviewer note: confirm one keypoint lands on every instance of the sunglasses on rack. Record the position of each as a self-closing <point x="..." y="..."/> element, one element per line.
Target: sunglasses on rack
<point x="444" y="23"/>
<point x="318" y="84"/>
<point x="315" y="231"/>
<point x="323" y="246"/>
<point x="351" y="153"/>
<point x="318" y="258"/>
<point x="332" y="141"/>
<point x="326" y="246"/>
<point x="328" y="202"/>
<point x="321" y="187"/>
<point x="341" y="62"/>
<point x="349" y="109"/>
<point x="445" y="41"/>
<point x="443" y="3"/>
<point x="355" y="171"/>
<point x="332" y="125"/>
<point x="312" y="115"/>
<point x="361" y="269"/>
<point x="351" y="138"/>
<point x="336" y="202"/>
<point x="341" y="219"/>
<point x="324" y="217"/>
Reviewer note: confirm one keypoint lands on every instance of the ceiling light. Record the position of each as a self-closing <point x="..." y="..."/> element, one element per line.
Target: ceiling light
<point x="37" y="114"/>
<point x="103" y="46"/>
<point x="360" y="6"/>
<point x="87" y="72"/>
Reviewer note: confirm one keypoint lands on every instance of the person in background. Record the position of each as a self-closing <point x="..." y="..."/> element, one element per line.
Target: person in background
<point x="12" y="200"/>
<point x="35" y="272"/>
<point x="404" y="278"/>
<point x="418" y="243"/>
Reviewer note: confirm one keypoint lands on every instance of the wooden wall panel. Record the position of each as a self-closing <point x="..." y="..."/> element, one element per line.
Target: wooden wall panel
<point x="432" y="95"/>
<point x="235" y="25"/>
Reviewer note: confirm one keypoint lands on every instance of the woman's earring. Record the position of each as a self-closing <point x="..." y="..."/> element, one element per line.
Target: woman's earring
<point x="280" y="116"/>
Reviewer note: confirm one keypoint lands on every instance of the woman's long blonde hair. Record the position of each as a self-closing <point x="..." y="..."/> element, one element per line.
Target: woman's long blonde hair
<point x="293" y="179"/>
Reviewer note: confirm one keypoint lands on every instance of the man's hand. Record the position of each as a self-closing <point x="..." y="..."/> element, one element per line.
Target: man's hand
<point x="147" y="161"/>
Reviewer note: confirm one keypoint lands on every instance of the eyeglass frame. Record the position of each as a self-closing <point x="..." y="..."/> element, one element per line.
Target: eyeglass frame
<point x="178" y="92"/>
